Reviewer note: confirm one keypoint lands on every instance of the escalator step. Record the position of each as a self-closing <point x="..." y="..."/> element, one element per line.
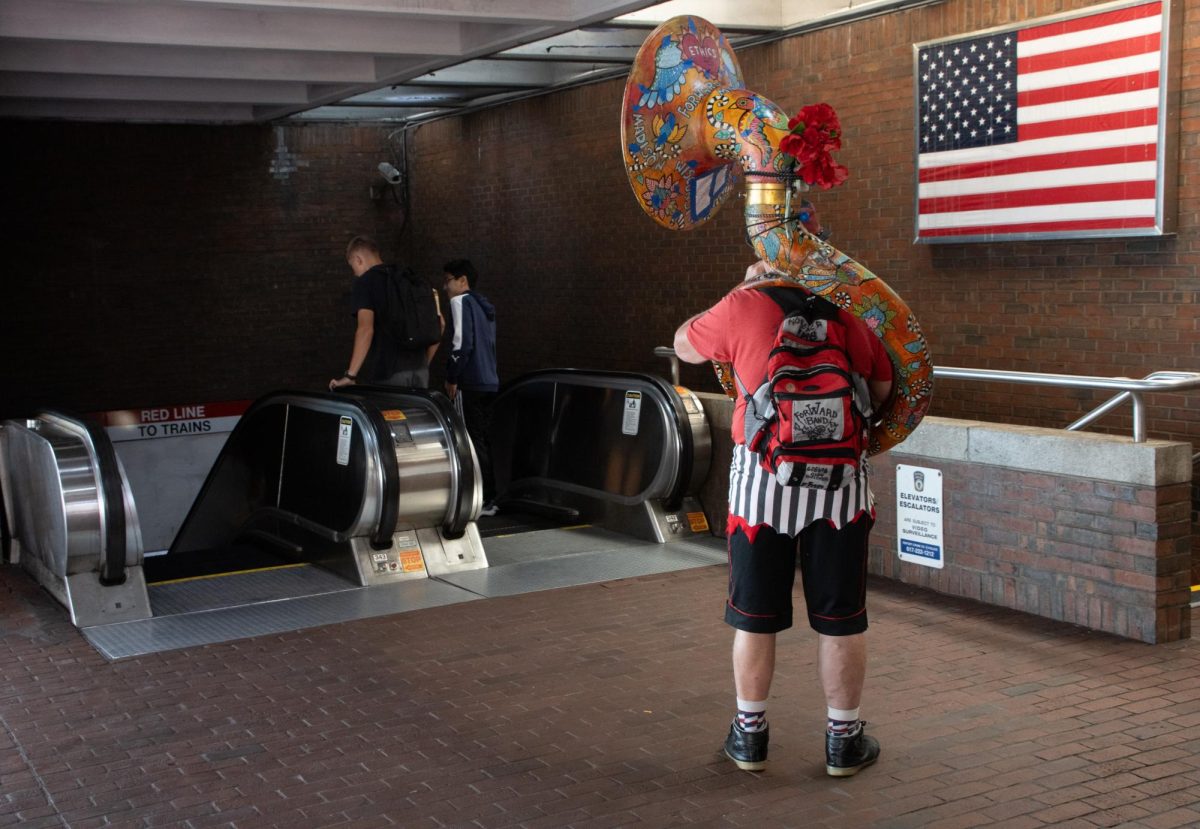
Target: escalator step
<point x="554" y="512"/>
<point x="232" y="559"/>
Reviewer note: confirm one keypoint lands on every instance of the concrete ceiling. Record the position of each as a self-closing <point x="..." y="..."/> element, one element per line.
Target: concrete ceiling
<point x="258" y="61"/>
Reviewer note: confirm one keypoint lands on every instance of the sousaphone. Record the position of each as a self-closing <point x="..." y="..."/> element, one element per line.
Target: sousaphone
<point x="692" y="134"/>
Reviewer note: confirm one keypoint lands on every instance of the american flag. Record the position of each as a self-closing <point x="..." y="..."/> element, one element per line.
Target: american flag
<point x="1045" y="131"/>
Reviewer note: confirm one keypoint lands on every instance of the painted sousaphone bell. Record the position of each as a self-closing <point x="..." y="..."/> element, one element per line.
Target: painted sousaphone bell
<point x="690" y="131"/>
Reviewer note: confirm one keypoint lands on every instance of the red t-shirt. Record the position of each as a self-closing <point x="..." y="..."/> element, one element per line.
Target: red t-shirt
<point x="741" y="328"/>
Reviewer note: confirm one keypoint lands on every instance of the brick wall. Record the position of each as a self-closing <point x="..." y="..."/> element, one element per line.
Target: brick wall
<point x="1110" y="557"/>
<point x="161" y="263"/>
<point x="155" y="265"/>
<point x="1109" y="553"/>
<point x="536" y="193"/>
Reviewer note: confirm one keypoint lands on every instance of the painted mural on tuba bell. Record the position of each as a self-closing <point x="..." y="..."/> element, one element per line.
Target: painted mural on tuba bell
<point x="693" y="135"/>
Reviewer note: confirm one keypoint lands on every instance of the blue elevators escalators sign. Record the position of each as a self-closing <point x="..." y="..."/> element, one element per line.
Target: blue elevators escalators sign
<point x="919" y="515"/>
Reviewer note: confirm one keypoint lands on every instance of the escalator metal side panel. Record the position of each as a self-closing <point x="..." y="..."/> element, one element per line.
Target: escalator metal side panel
<point x="607" y="437"/>
<point x="92" y="603"/>
<point x="697" y="423"/>
<point x="438" y="469"/>
<point x="269" y="463"/>
<point x="452" y="555"/>
<point x="56" y="514"/>
<point x="653" y="520"/>
<point x="59" y="520"/>
<point x="11" y="549"/>
<point x="422" y="552"/>
<point x="331" y="470"/>
<point x="426" y="473"/>
<point x="625" y="451"/>
<point x="402" y="561"/>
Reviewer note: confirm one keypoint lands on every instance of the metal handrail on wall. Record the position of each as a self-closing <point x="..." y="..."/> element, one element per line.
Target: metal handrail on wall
<point x="1128" y="388"/>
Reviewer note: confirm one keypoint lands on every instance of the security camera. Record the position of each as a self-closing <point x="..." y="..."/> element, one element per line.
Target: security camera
<point x="389" y="172"/>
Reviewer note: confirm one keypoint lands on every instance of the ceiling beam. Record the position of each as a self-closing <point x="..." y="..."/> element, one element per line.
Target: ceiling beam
<point x="498" y="11"/>
<point x="138" y="112"/>
<point x="483" y="72"/>
<point x="190" y="90"/>
<point x="185" y="62"/>
<point x="173" y="25"/>
<point x="366" y="113"/>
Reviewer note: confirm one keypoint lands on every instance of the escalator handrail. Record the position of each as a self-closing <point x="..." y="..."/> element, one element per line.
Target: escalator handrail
<point x="389" y="510"/>
<point x="678" y="489"/>
<point x="385" y="528"/>
<point x="109" y="487"/>
<point x="458" y="444"/>
<point x="5" y="532"/>
<point x="5" y="529"/>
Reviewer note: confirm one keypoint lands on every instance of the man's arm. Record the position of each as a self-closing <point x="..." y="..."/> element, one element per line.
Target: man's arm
<point x="880" y="391"/>
<point x="883" y="372"/>
<point x="362" y="344"/>
<point x="462" y="343"/>
<point x="431" y="350"/>
<point x="684" y="349"/>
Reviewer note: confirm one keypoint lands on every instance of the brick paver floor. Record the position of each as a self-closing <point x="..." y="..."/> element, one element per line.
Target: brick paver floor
<point x="594" y="706"/>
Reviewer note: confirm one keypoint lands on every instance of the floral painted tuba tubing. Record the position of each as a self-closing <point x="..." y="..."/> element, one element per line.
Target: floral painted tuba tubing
<point x="690" y="130"/>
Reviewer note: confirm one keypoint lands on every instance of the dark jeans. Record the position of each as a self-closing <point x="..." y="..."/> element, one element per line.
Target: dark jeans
<point x="477" y="411"/>
<point x="415" y="378"/>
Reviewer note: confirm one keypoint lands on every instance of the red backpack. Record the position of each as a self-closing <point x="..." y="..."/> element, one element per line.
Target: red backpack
<point x="809" y="419"/>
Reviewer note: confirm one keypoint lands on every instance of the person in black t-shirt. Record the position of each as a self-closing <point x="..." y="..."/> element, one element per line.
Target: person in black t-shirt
<point x="376" y="358"/>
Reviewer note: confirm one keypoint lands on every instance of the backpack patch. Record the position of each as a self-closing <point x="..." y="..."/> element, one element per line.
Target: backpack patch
<point x="412" y="317"/>
<point x="808" y="420"/>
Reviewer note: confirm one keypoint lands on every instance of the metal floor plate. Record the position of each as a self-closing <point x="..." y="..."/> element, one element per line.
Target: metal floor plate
<point x="207" y="627"/>
<point x="223" y="608"/>
<point x="553" y="543"/>
<point x="235" y="589"/>
<point x="523" y="564"/>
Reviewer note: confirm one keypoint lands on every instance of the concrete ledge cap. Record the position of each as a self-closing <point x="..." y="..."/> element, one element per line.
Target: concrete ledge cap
<point x="718" y="408"/>
<point x="1081" y="454"/>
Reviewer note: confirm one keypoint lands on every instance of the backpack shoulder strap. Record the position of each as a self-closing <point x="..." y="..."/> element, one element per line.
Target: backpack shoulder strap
<point x="793" y="298"/>
<point x="788" y="298"/>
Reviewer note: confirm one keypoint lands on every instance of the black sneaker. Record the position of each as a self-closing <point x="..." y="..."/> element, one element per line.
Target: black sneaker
<point x="747" y="748"/>
<point x="846" y="756"/>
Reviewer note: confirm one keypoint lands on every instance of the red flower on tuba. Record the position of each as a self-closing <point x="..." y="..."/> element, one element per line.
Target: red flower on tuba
<point x="815" y="134"/>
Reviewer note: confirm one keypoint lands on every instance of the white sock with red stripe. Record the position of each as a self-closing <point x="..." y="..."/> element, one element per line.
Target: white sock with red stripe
<point x="843" y="722"/>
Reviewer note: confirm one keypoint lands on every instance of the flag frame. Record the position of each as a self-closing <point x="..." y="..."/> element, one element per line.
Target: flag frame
<point x="1167" y="161"/>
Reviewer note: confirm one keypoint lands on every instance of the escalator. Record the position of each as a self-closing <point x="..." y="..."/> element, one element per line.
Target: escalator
<point x="597" y="475"/>
<point x="313" y="498"/>
<point x="322" y="508"/>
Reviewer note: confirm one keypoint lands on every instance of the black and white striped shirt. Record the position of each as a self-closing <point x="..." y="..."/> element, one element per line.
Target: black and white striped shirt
<point x="757" y="497"/>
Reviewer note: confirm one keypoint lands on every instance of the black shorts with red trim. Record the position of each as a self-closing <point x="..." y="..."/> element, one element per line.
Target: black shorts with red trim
<point x="833" y="567"/>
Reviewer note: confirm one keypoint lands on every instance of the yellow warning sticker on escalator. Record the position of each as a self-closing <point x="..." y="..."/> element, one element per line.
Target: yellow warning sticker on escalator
<point x="697" y="522"/>
<point x="393" y="414"/>
<point x="411" y="561"/>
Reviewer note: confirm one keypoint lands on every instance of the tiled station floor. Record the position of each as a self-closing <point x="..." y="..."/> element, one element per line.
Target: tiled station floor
<point x="595" y="706"/>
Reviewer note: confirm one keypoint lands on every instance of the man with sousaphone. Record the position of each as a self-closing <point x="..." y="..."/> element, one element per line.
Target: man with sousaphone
<point x="826" y="365"/>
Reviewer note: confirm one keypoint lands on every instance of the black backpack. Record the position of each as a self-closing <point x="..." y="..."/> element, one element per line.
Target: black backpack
<point x="412" y="316"/>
